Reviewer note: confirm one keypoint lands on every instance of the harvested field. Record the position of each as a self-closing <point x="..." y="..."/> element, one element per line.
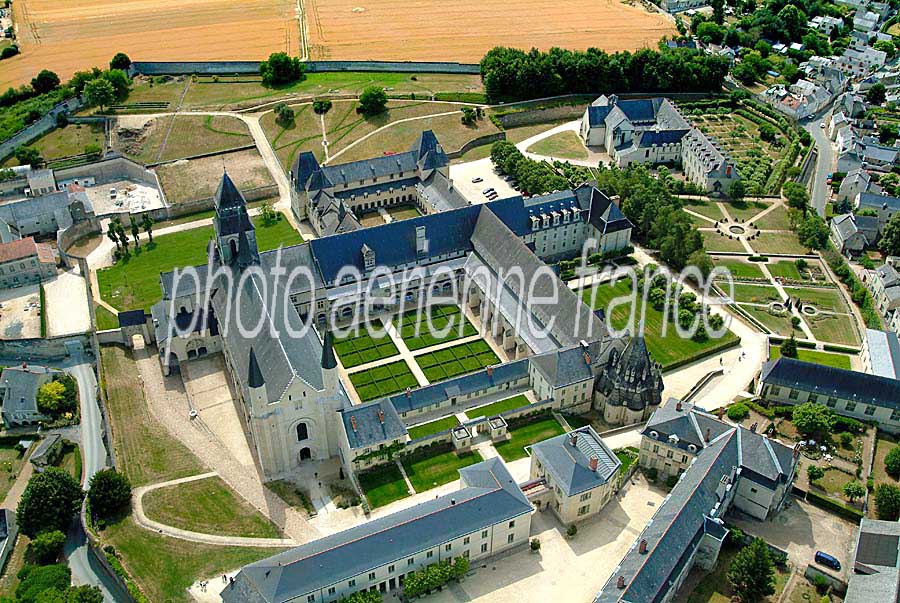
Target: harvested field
<point x="349" y="29"/>
<point x="71" y="35"/>
<point x="198" y="178"/>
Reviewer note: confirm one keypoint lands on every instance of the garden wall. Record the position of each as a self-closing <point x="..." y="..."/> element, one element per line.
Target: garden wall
<point x="248" y="67"/>
<point x="207" y="203"/>
<point x="536" y="116"/>
<point x="111" y="169"/>
<point x="527" y="410"/>
<point x="477" y="142"/>
<point x="53" y="348"/>
<point x="38" y="128"/>
<point x="836" y="583"/>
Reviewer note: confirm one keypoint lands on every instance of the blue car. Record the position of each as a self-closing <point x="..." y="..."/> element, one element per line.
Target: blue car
<point x="828" y="561"/>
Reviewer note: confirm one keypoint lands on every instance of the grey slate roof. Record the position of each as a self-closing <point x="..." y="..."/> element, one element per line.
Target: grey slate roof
<point x="829" y="381"/>
<point x="20" y="386"/>
<point x="884" y="353"/>
<point x="874" y="201"/>
<point x="488" y="496"/>
<point x="569" y="463"/>
<point x="372" y="424"/>
<point x="566" y="366"/>
<point x="877" y="576"/>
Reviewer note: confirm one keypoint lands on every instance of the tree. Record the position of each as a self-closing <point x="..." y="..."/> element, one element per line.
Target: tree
<point x="469" y="116"/>
<point x="119" y="81"/>
<point x="147" y="225"/>
<point x="135" y="231"/>
<point x="887" y="47"/>
<point x="50" y="501"/>
<point x="738" y="412"/>
<point x="120" y="61"/>
<point x="109" y="493"/>
<point x="889" y="244"/>
<point x="51" y="397"/>
<point x="789" y="347"/>
<point x="35" y="579"/>
<point x="84" y="594"/>
<point x="796" y="195"/>
<point x="28" y="156"/>
<point x="854" y="490"/>
<point x="887" y="502"/>
<point x="45" y="81"/>
<point x="877" y="94"/>
<point x="321" y="106"/>
<point x="46" y="548"/>
<point x="10" y="51"/>
<point x="813" y="232"/>
<point x="768" y="132"/>
<point x="718" y="7"/>
<point x="736" y="191"/>
<point x="284" y="115"/>
<point x="123" y="238"/>
<point x="268" y="213"/>
<point x="752" y="572"/>
<point x="892" y="462"/>
<point x="372" y="101"/>
<point x="99" y="93"/>
<point x="813" y="419"/>
<point x="113" y="235"/>
<point x="280" y="69"/>
<point x="814" y="473"/>
<point x="701" y="260"/>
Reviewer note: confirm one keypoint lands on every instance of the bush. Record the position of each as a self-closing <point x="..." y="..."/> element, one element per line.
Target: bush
<point x="321" y="106"/>
<point x="9" y="51"/>
<point x="372" y="101"/>
<point x="284" y="115"/>
<point x="892" y="462"/>
<point x="847" y="441"/>
<point x="829" y="504"/>
<point x="35" y="579"/>
<point x="652" y="474"/>
<point x="887" y="502"/>
<point x="738" y="412"/>
<point x="535" y="544"/>
<point x="571" y="531"/>
<point x="46" y="548"/>
<point x="671" y="481"/>
<point x="280" y="69"/>
<point x="814" y="473"/>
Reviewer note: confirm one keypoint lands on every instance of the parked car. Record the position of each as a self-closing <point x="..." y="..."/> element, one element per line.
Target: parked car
<point x="822" y="124"/>
<point x="477" y="179"/>
<point x="828" y="561"/>
<point x="488" y="191"/>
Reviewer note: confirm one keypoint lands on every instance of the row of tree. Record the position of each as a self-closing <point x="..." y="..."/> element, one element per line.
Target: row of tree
<point x="513" y="74"/>
<point x="117" y="234"/>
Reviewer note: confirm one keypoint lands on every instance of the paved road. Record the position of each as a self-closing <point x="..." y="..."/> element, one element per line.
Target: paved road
<point x="825" y="162"/>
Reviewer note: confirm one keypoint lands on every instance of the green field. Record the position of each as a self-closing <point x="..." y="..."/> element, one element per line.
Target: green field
<point x="70" y="140"/>
<point x="179" y="136"/>
<point x="456" y="360"/>
<point x="427" y="472"/>
<point x="666" y="350"/>
<point x="562" y="145"/>
<point x="705" y="207"/>
<point x="418" y="332"/>
<point x="834" y="328"/>
<point x="778" y="242"/>
<point x="828" y="299"/>
<point x="739" y="269"/>
<point x="384" y="380"/>
<point x="755" y="294"/>
<point x="498" y="407"/>
<point x="777" y="324"/>
<point x="715" y="241"/>
<point x="133" y="283"/>
<point x="526" y="435"/>
<point x="841" y="361"/>
<point x="364" y="348"/>
<point x="11" y="462"/>
<point x="777" y="219"/>
<point x="383" y="484"/>
<point x="105" y="318"/>
<point x="426" y="429"/>
<point x="207" y="506"/>
<point x="70" y="461"/>
<point x="742" y="211"/>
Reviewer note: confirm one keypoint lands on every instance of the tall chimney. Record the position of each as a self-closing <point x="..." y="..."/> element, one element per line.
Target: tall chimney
<point x="409" y="392"/>
<point x="490" y="371"/>
<point x="708" y="433"/>
<point x="620" y="583"/>
<point x="643" y="547"/>
<point x="678" y="406"/>
<point x="574" y="439"/>
<point x="381" y="416"/>
<point x="587" y="359"/>
<point x="353" y="422"/>
<point x="594" y="462"/>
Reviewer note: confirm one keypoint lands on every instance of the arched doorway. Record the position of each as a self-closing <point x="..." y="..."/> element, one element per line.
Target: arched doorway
<point x="305" y="453"/>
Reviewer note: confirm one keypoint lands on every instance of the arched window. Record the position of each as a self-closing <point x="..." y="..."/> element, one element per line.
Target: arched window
<point x="302" y="432"/>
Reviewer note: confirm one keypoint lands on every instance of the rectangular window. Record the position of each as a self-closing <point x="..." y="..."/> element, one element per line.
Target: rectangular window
<point x="310" y="598"/>
<point x="813" y="398"/>
<point x="390" y="569"/>
<point x="371" y="575"/>
<point x="774" y="390"/>
<point x="410" y="561"/>
<point x="510" y="538"/>
<point x="484" y="534"/>
<point x="584" y="510"/>
<point x="351" y="583"/>
<point x="895" y="414"/>
<point x="851" y="406"/>
<point x="429" y="554"/>
<point x="831" y="402"/>
<point x="585" y="496"/>
<point x="466" y="540"/>
<point x="512" y="524"/>
<point x="870" y="410"/>
<point x="794" y="394"/>
<point x="669" y="454"/>
<point x="484" y="548"/>
<point x="330" y="590"/>
<point x="448" y="546"/>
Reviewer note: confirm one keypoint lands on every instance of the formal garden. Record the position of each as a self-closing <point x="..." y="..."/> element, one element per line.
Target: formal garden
<point x="499" y="407"/>
<point x="427" y="468"/>
<point x="525" y="432"/>
<point x="383" y="485"/>
<point x="363" y="347"/>
<point x="384" y="380"/>
<point x="421" y="329"/>
<point x="457" y="360"/>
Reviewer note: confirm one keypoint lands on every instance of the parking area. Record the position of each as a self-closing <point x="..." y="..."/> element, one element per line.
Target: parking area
<point x="20" y="312"/>
<point x="463" y="173"/>
<point x="564" y="569"/>
<point x="67" y="304"/>
<point x="803" y="529"/>
<point x="210" y="395"/>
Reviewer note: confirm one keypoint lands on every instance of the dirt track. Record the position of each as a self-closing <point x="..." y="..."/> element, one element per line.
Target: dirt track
<point x="71" y="35"/>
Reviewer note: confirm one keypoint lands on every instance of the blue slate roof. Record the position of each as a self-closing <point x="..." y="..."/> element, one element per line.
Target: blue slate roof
<point x="658" y="137"/>
<point x="132" y="318"/>
<point x="638" y="110"/>
<point x="489" y="496"/>
<point x="878" y="201"/>
<point x="596" y="115"/>
<point x="372" y="424"/>
<point x="439" y="392"/>
<point x="567" y="458"/>
<point x="374" y="189"/>
<point x="829" y="381"/>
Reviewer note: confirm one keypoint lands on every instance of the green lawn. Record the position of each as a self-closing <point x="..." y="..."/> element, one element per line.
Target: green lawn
<point x="426" y="429"/>
<point x="498" y="407"/>
<point x="828" y="299"/>
<point x="11" y="461"/>
<point x="165" y="567"/>
<point x="665" y="350"/>
<point x="418" y="333"/>
<point x="715" y="241"/>
<point x="143" y="448"/>
<point x="456" y="360"/>
<point x="383" y="484"/>
<point x="70" y="460"/>
<point x="833" y="483"/>
<point x="714" y="587"/>
<point x="70" y="140"/>
<point x="777" y="219"/>
<point x="563" y="145"/>
<point x="777" y="324"/>
<point x="778" y="242"/>
<point x="786" y="269"/>
<point x="841" y="361"/>
<point x="705" y="208"/>
<point x="526" y="435"/>
<point x="364" y="348"/>
<point x="739" y="269"/>
<point x="292" y="494"/>
<point x="744" y="210"/>
<point x="756" y="294"/>
<point x="884" y="443"/>
<point x="384" y="380"/>
<point x="208" y="506"/>
<point x="105" y="318"/>
<point x="427" y="472"/>
<point x="628" y="458"/>
<point x="133" y="283"/>
<point x="834" y="328"/>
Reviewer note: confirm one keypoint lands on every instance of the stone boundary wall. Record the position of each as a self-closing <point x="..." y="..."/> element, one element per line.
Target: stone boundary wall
<point x="49" y="349"/>
<point x="38" y="128"/>
<point x="477" y="142"/>
<point x="252" y="67"/>
<point x="197" y="205"/>
<point x="536" y="116"/>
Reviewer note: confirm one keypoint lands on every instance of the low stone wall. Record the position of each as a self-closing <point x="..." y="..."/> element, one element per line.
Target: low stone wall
<point x="527" y="410"/>
<point x="111" y="336"/>
<point x="67" y="237"/>
<point x="198" y="205"/>
<point x="252" y="67"/>
<point x="536" y="116"/>
<point x="38" y="128"/>
<point x="53" y="348"/>
<point x="477" y="142"/>
<point x="112" y="169"/>
<point x="443" y="437"/>
<point x="836" y="583"/>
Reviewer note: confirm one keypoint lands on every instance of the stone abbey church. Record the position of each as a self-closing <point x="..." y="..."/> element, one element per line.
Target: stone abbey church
<point x="292" y="398"/>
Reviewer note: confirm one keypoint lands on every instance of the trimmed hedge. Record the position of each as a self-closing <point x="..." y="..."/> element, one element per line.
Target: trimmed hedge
<point x="725" y="345"/>
<point x="830" y="347"/>
<point x="828" y="504"/>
